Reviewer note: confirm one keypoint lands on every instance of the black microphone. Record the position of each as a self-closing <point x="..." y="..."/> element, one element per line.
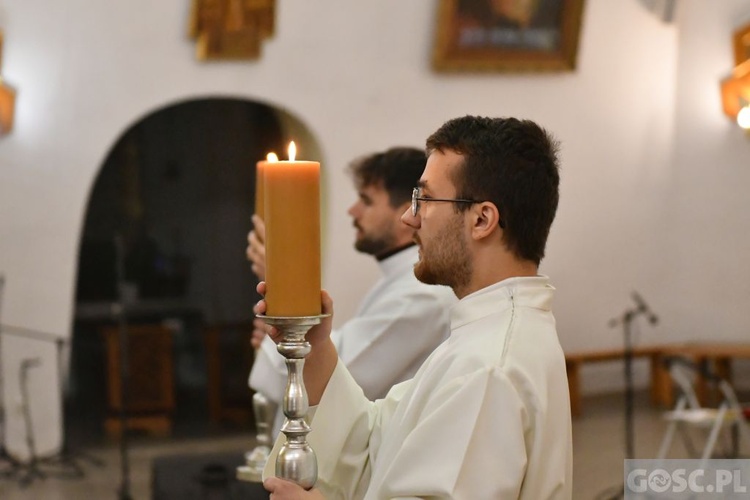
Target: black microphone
<point x="643" y="308"/>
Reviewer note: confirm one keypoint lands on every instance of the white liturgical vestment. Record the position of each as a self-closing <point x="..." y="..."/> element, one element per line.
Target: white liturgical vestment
<point x="398" y="324"/>
<point x="487" y="417"/>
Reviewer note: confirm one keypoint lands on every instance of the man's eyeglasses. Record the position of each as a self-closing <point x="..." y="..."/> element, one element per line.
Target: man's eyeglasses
<point x="416" y="197"/>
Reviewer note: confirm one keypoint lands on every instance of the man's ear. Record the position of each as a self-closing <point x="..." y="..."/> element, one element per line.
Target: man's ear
<point x="485" y="220"/>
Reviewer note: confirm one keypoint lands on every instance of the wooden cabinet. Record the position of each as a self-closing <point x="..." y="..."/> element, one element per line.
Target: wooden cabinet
<point x="150" y="398"/>
<point x="229" y="358"/>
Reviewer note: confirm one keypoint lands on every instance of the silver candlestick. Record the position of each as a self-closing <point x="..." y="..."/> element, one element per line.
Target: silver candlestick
<point x="264" y="411"/>
<point x="296" y="461"/>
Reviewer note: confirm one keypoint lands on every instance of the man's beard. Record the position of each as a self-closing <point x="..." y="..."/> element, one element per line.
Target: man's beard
<point x="374" y="245"/>
<point x="445" y="261"/>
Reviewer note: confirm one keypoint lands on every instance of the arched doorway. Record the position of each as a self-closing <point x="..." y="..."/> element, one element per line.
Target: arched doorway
<point x="165" y="232"/>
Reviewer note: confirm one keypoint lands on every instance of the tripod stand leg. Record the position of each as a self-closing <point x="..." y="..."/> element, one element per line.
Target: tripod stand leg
<point x="67" y="461"/>
<point x="31" y="470"/>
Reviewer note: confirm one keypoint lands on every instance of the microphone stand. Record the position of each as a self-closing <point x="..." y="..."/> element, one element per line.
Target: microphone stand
<point x="31" y="469"/>
<point x="626" y="320"/>
<point x="119" y="310"/>
<point x="5" y="457"/>
<point x="27" y="472"/>
<point x="67" y="458"/>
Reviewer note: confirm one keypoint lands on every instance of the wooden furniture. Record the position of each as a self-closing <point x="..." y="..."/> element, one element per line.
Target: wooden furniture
<point x="714" y="355"/>
<point x="229" y="358"/>
<point x="151" y="395"/>
<point x="574" y="362"/>
<point x="689" y="412"/>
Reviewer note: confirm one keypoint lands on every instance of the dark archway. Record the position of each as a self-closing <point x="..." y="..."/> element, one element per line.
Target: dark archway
<point x="171" y="208"/>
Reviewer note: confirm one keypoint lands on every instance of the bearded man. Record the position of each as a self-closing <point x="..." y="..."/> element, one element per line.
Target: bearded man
<point x="487" y="416"/>
<point x="401" y="320"/>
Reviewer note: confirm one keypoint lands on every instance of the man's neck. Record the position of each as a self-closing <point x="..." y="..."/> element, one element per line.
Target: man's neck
<point x="393" y="251"/>
<point x="487" y="273"/>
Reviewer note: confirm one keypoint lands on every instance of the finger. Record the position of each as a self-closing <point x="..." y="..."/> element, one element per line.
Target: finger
<point x="271" y="484"/>
<point x="259" y="334"/>
<point x="259" y="271"/>
<point x="261" y="288"/>
<point x="260" y="328"/>
<point x="249" y="250"/>
<point x="255" y="249"/>
<point x="326" y="302"/>
<point x="258" y="245"/>
<point x="260" y="307"/>
<point x="260" y="227"/>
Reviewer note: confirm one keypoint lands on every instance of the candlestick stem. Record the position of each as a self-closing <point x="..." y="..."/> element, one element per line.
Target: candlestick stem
<point x="296" y="460"/>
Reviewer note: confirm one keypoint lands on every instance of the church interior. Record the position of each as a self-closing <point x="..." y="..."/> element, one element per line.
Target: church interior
<point x="129" y="136"/>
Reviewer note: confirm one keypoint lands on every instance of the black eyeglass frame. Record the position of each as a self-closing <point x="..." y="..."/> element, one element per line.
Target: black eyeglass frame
<point x="415" y="199"/>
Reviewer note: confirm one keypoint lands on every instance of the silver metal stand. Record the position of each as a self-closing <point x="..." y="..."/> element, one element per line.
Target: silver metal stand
<point x="296" y="461"/>
<point x="264" y="411"/>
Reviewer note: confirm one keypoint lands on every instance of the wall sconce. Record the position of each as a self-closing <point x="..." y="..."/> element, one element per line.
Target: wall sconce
<point x="7" y="107"/>
<point x="735" y="90"/>
<point x="7" y="99"/>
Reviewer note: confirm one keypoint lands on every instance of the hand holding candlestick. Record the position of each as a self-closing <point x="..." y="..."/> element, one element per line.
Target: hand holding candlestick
<point x="296" y="460"/>
<point x="291" y="224"/>
<point x="256" y="247"/>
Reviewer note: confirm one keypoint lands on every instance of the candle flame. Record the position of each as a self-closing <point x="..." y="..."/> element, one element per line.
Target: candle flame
<point x="272" y="157"/>
<point x="292" y="150"/>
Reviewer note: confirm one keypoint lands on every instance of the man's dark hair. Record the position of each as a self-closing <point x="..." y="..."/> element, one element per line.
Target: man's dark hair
<point x="397" y="170"/>
<point x="511" y="163"/>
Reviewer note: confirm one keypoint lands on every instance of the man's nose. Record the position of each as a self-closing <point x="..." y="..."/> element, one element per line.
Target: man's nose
<point x="410" y="220"/>
<point x="352" y="209"/>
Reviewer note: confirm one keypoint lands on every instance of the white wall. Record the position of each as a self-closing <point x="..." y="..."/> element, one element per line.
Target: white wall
<point x="704" y="283"/>
<point x="358" y="76"/>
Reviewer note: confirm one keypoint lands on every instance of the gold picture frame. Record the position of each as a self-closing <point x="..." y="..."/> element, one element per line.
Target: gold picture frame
<point x="507" y="35"/>
<point x="742" y="45"/>
<point x="231" y="29"/>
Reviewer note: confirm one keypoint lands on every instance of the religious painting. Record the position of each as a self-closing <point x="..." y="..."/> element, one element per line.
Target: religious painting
<point x="231" y="29"/>
<point x="742" y="45"/>
<point x="507" y="35"/>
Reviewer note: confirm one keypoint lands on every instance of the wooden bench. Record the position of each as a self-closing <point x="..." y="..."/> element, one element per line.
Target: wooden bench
<point x="574" y="361"/>
<point x="713" y="355"/>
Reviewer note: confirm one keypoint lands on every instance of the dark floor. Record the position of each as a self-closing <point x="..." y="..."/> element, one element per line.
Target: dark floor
<point x="598" y="440"/>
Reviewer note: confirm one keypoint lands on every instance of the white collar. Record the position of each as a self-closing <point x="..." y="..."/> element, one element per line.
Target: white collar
<point x="527" y="291"/>
<point x="400" y="262"/>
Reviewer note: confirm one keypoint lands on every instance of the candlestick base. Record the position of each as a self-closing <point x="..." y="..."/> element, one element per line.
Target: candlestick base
<point x="264" y="411"/>
<point x="255" y="462"/>
<point x="296" y="461"/>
